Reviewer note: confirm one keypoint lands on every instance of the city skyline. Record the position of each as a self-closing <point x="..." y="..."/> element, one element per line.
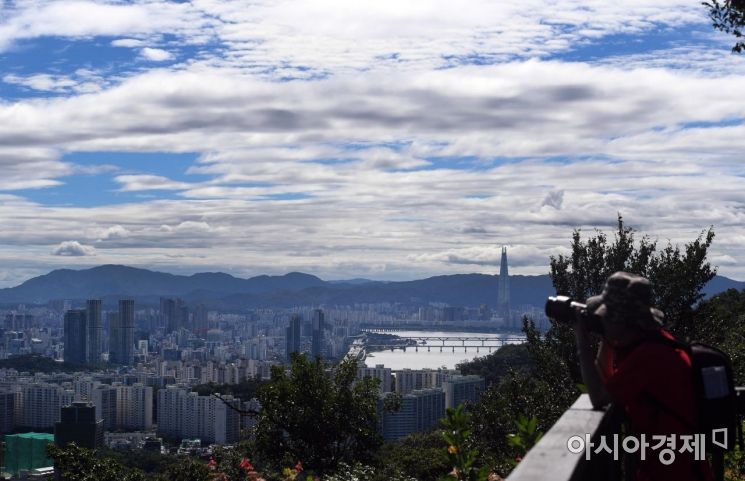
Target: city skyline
<point x="381" y="141"/>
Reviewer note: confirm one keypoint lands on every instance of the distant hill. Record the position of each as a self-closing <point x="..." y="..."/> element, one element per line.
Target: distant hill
<point x="222" y="291"/>
<point x="122" y="281"/>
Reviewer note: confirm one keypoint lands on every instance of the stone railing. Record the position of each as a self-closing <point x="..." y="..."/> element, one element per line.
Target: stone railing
<point x="552" y="459"/>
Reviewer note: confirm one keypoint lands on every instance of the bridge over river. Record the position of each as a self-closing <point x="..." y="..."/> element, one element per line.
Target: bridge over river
<point x="446" y="342"/>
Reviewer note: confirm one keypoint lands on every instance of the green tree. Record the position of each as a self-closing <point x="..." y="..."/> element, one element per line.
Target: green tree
<point x="729" y="17"/>
<point x="187" y="469"/>
<point x="722" y="324"/>
<point x="497" y="365"/>
<point x="316" y="417"/>
<point x="551" y="383"/>
<point x="463" y="456"/>
<point x="422" y="456"/>
<point x="677" y="275"/>
<point x="79" y="464"/>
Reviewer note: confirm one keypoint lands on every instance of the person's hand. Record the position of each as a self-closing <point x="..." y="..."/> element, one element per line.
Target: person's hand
<point x="581" y="320"/>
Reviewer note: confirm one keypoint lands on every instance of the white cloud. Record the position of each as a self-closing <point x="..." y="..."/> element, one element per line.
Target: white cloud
<point x="127" y="42"/>
<point x="142" y="182"/>
<point x="379" y="162"/>
<point x="73" y="249"/>
<point x="114" y="232"/>
<point x="43" y="82"/>
<point x="155" y="54"/>
<point x="77" y="18"/>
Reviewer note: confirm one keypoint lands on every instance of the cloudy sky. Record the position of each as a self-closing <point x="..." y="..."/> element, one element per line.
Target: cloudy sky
<point x="386" y="139"/>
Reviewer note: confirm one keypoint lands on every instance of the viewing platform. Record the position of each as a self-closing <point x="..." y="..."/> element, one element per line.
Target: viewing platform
<point x="552" y="458"/>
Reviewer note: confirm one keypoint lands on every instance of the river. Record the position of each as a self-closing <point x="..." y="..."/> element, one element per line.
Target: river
<point x="434" y="358"/>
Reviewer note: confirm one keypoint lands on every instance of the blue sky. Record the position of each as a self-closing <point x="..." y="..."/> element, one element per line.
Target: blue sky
<point x="379" y="140"/>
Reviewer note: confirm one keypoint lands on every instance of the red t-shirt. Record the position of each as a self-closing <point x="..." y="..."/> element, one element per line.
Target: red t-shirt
<point x="664" y="373"/>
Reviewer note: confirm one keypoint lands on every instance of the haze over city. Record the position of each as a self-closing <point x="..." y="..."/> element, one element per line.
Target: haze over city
<point x="385" y="141"/>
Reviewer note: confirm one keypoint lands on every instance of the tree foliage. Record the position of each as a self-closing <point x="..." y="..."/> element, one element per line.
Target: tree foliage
<point x="79" y="464"/>
<point x="722" y="324"/>
<point x="497" y="365"/>
<point x="245" y="390"/>
<point x="39" y="363"/>
<point x="729" y="17"/>
<point x="422" y="456"/>
<point x="187" y="469"/>
<point x="316" y="417"/>
<point x="461" y="453"/>
<point x="677" y="274"/>
<point x="552" y="379"/>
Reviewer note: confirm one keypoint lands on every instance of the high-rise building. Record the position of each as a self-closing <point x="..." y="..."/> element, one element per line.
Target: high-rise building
<point x="134" y="407"/>
<point x="170" y="413"/>
<point x="76" y="336"/>
<point x="201" y="322"/>
<point x="40" y="404"/>
<point x="317" y="333"/>
<point x="408" y="380"/>
<point x="460" y="389"/>
<point x="122" y="328"/>
<point x="174" y="314"/>
<point x="292" y="335"/>
<point x="163" y="312"/>
<point x="183" y="315"/>
<point x="115" y="332"/>
<point x="503" y="297"/>
<point x="420" y="411"/>
<point x="7" y="410"/>
<point x="185" y="414"/>
<point x="78" y="424"/>
<point x="104" y="397"/>
<point x="380" y="372"/>
<point x="94" y="329"/>
<point x="19" y="322"/>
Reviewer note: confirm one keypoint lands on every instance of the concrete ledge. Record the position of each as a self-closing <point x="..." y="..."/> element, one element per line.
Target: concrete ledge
<point x="550" y="458"/>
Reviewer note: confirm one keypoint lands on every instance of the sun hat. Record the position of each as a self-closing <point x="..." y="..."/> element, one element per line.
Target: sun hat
<point x="627" y="299"/>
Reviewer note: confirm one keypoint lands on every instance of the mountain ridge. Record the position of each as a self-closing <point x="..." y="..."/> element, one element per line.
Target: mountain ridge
<point x="219" y="290"/>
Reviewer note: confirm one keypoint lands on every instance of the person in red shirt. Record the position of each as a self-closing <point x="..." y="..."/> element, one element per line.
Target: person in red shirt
<point x="637" y="370"/>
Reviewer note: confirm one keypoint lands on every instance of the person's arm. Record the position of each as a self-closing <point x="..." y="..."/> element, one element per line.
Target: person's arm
<point x="590" y="373"/>
<point x="604" y="361"/>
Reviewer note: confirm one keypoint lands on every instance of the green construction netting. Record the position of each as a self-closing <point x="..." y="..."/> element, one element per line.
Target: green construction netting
<point x="27" y="451"/>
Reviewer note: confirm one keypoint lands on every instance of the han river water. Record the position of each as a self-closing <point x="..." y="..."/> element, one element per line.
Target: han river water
<point x="433" y="358"/>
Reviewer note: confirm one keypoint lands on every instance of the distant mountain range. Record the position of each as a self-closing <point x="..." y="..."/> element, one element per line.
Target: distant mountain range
<point x="218" y="290"/>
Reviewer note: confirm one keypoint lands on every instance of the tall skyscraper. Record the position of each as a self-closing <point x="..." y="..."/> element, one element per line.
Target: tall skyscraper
<point x="95" y="327"/>
<point x="121" y="343"/>
<point x="293" y="334"/>
<point x="76" y="336"/>
<point x="503" y="298"/>
<point x="163" y="313"/>
<point x="174" y="314"/>
<point x="201" y="322"/>
<point x="183" y="314"/>
<point x="115" y="332"/>
<point x="317" y="334"/>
